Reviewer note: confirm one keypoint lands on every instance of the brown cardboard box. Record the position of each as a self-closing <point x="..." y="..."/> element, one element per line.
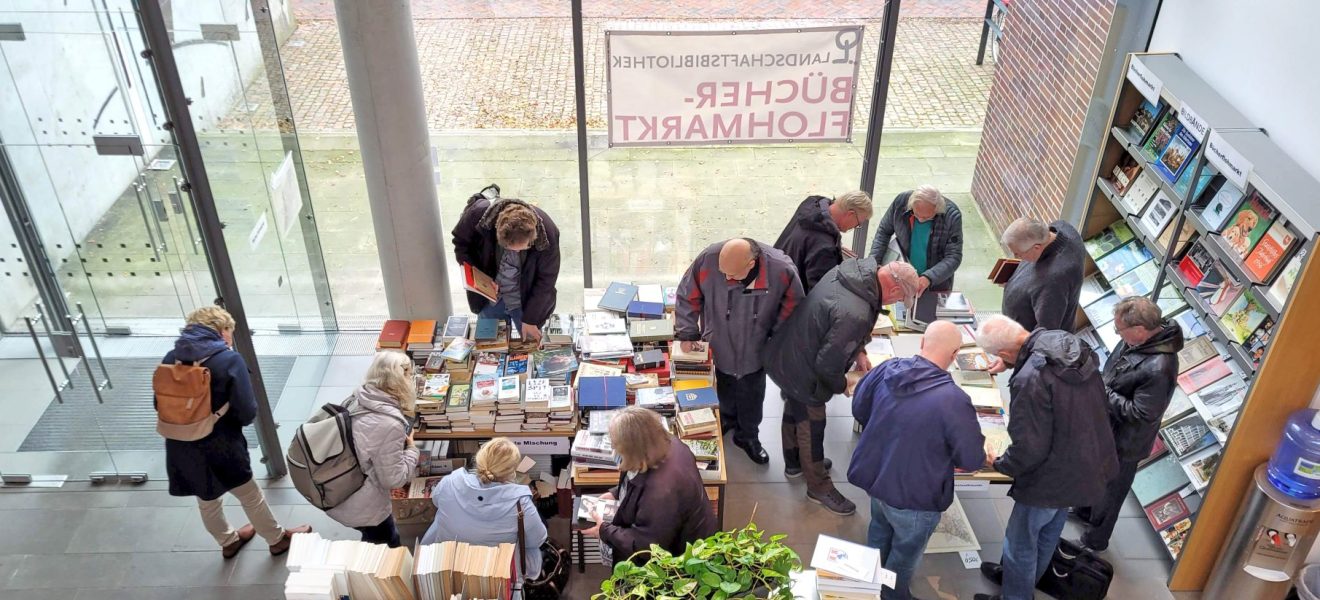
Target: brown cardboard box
<point x="408" y="511"/>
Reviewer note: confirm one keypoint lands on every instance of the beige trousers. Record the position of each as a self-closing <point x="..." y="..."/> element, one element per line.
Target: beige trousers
<point x="254" y="504"/>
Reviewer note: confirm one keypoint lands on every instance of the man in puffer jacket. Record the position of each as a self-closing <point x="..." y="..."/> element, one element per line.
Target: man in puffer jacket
<point x="1139" y="377"/>
<point x="813" y="239"/>
<point x="810" y="355"/>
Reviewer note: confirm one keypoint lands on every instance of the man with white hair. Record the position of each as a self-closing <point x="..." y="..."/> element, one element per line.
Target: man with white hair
<point x="1045" y="288"/>
<point x="813" y="239"/>
<point x="917" y="427"/>
<point x="809" y="356"/>
<point x="928" y="229"/>
<point x="1062" y="451"/>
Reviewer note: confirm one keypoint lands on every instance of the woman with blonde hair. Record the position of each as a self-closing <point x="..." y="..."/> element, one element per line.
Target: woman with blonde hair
<point x="481" y="506"/>
<point x="219" y="463"/>
<point x="662" y="499"/>
<point x="383" y="439"/>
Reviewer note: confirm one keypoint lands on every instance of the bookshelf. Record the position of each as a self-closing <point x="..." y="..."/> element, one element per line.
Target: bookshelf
<point x="1284" y="379"/>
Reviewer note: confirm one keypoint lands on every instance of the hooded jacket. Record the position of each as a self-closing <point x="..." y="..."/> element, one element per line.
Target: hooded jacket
<point x="1062" y="450"/>
<point x="1045" y="293"/>
<point x="667" y="505"/>
<point x="812" y="241"/>
<point x="917" y="427"/>
<point x="475" y="243"/>
<point x="467" y="510"/>
<point x="944" y="252"/>
<point x="380" y="434"/>
<point x="1139" y="381"/>
<point x="736" y="319"/>
<point x="809" y="355"/>
<point x="217" y="463"/>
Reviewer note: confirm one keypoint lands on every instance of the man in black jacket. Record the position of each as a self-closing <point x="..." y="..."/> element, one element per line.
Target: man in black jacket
<point x="1062" y="450"/>
<point x="813" y="239"/>
<point x="928" y="229"/>
<point x="517" y="245"/>
<point x="811" y="352"/>
<point x="1139" y="377"/>
<point x="1045" y="288"/>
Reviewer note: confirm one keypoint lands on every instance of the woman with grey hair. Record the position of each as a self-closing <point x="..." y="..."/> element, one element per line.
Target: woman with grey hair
<point x="383" y="440"/>
<point x="928" y="230"/>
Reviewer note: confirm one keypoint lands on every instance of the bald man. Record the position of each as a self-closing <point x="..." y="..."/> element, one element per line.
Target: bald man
<point x="917" y="427"/>
<point x="810" y="357"/>
<point x="734" y="296"/>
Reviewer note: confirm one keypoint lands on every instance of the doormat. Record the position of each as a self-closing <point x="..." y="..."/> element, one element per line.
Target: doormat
<point x="127" y="420"/>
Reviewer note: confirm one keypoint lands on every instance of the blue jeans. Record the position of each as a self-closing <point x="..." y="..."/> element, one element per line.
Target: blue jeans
<point x="1029" y="543"/>
<point x="499" y="311"/>
<point x="901" y="537"/>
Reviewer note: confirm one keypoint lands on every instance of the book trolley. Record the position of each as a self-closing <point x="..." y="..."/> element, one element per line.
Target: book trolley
<point x="1197" y="208"/>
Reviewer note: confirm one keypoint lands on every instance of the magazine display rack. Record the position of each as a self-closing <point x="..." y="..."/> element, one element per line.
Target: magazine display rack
<point x="1197" y="208"/>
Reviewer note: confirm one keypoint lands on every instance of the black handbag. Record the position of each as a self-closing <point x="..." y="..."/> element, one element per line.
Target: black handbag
<point x="556" y="564"/>
<point x="1076" y="573"/>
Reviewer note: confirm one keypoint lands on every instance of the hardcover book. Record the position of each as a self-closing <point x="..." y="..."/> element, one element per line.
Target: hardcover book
<point x="1203" y="374"/>
<point x="695" y="398"/>
<point x="1242" y="317"/>
<point x="1158" y="215"/>
<point x="1222" y="206"/>
<point x="645" y="310"/>
<point x="1249" y="224"/>
<point x="487" y="329"/>
<point x="459" y="349"/>
<point x="1170" y="300"/>
<point x="1175" y="536"/>
<point x="1185" y="237"/>
<point x="1195" y="264"/>
<point x="1220" y="398"/>
<point x="602" y="393"/>
<point x="1177" y="154"/>
<point x="456" y="326"/>
<point x="1187" y="435"/>
<point x="1101" y="311"/>
<point x="1179" y="405"/>
<point x="1268" y="255"/>
<point x="1200" y="467"/>
<point x="458" y="398"/>
<point x="1163" y="134"/>
<point x="1190" y="324"/>
<point x="1137" y="282"/>
<point x="1124" y="173"/>
<point x="972" y="359"/>
<point x="618" y="296"/>
<point x="1194" y="352"/>
<point x="651" y="330"/>
<point x="480" y="283"/>
<point x="1158" y="479"/>
<point x="393" y="334"/>
<point x="1144" y="117"/>
<point x="1221" y="426"/>
<point x="1122" y="260"/>
<point x="1106" y="241"/>
<point x="1003" y="270"/>
<point x="1093" y="287"/>
<point x="1166" y="511"/>
<point x="1224" y="297"/>
<point x="1208" y="174"/>
<point x="1140" y="193"/>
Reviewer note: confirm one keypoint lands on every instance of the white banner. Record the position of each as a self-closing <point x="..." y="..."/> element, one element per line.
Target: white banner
<point x="670" y="88"/>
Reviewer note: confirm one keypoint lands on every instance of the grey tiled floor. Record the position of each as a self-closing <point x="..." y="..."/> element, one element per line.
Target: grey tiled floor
<point x="109" y="542"/>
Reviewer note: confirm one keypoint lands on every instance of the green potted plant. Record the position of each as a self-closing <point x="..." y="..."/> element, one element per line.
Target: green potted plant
<point x="737" y="564"/>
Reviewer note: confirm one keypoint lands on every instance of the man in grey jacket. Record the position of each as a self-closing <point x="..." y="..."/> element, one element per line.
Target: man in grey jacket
<point x="734" y="296"/>
<point x="810" y="355"/>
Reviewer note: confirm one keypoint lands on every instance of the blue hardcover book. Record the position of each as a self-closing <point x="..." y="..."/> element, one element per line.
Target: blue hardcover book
<point x="646" y="310"/>
<point x="618" y="297"/>
<point x="697" y="398"/>
<point x="487" y="329"/>
<point x="602" y="393"/>
<point x="1177" y="155"/>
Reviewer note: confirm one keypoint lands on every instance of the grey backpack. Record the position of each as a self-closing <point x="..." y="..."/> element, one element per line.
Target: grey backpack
<point x="323" y="461"/>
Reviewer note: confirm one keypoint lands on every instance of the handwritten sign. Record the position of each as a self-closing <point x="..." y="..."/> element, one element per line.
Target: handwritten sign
<point x="719" y="86"/>
<point x="1193" y="122"/>
<point x="1144" y="80"/>
<point x="1229" y="161"/>
<point x="971" y="559"/>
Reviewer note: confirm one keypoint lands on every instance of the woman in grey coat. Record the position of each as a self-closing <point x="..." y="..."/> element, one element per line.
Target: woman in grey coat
<point x="384" y="442"/>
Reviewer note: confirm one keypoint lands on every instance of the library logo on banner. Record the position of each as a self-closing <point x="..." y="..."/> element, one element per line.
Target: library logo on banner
<point x="1229" y="161"/>
<point x="1193" y="122"/>
<point x="715" y="86"/>
<point x="1145" y="81"/>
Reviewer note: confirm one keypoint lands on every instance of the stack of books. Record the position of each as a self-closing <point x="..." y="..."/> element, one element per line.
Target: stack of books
<point x="954" y="306"/>
<point x="593" y="451"/>
<point x="421" y="336"/>
<point x="606" y="346"/>
<point x="601" y="393"/>
<point x="481" y="407"/>
<point x="456" y="408"/>
<point x="509" y="415"/>
<point x="536" y="404"/>
<point x="320" y="568"/>
<point x="659" y="399"/>
<point x="458" y="360"/>
<point x="558" y="330"/>
<point x="700" y="423"/>
<point x="449" y="570"/>
<point x="848" y="571"/>
<point x="696" y="364"/>
<point x="393" y="335"/>
<point x="432" y="397"/>
<point x="637" y="382"/>
<point x="556" y="365"/>
<point x="562" y="410"/>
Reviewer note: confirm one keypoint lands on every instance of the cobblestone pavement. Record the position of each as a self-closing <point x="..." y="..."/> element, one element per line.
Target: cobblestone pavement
<point x="518" y="74"/>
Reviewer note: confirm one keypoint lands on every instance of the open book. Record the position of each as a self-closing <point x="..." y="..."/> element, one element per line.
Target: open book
<point x="480" y="283"/>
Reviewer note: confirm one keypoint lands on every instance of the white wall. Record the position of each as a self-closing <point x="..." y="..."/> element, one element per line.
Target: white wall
<point x="1261" y="56"/>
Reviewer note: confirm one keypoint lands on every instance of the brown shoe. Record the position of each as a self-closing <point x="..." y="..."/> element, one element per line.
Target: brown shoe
<point x="245" y="535"/>
<point x="282" y="546"/>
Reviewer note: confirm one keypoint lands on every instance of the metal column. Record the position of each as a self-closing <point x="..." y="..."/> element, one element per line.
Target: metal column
<point x="161" y="58"/>
<point x="876" y="125"/>
<point x="580" y="101"/>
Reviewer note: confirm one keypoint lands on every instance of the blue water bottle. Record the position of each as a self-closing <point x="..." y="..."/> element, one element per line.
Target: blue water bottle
<point x="1295" y="466"/>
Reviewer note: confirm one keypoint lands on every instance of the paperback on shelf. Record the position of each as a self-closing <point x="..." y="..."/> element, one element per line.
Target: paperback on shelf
<point x="1242" y="317"/>
<point x="1187" y="435"/>
<point x="1161" y="136"/>
<point x="1177" y="153"/>
<point x="1283" y="284"/>
<point x="1144" y="117"/>
<point x="1222" y="206"/>
<point x="1273" y="248"/>
<point x="1249" y="224"/>
<point x="1123" y="259"/>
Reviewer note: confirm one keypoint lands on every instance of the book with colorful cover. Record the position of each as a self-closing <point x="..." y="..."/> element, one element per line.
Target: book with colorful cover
<point x="458" y="350"/>
<point x="1258" y="340"/>
<point x="1124" y="173"/>
<point x="1203" y="374"/>
<point x="1200" y="467"/>
<point x="458" y="398"/>
<point x="1224" y="297"/>
<point x="1222" y="206"/>
<point x="1242" y="317"/>
<point x="1270" y="252"/>
<point x="1137" y="282"/>
<point x="1208" y="174"/>
<point x="1107" y="240"/>
<point x="1123" y="259"/>
<point x="1163" y="134"/>
<point x="480" y="283"/>
<point x="1195" y="264"/>
<point x="1286" y="279"/>
<point x="1249" y="224"/>
<point x="1177" y="154"/>
<point x="1144" y="117"/>
<point x="1187" y="435"/>
<point x="1190" y="324"/>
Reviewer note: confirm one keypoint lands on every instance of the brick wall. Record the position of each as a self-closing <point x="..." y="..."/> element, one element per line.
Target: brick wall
<point x="1048" y="62"/>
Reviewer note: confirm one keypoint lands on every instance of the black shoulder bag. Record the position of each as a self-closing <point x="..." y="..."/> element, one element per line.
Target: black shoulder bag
<point x="556" y="564"/>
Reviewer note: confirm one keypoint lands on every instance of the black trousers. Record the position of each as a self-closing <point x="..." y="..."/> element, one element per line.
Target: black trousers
<point x="1103" y="517"/>
<point x="802" y="431"/>
<point x="742" y="402"/>
<point x="382" y="533"/>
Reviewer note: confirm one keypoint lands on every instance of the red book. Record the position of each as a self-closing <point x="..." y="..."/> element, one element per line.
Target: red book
<point x="393" y="334"/>
<point x="1203" y="374"/>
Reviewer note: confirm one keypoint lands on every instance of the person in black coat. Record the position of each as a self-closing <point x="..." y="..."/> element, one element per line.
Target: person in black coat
<point x="1062" y="449"/>
<point x="661" y="496"/>
<point x="219" y="463"/>
<point x="809" y="356"/>
<point x="928" y="229"/>
<point x="813" y="238"/>
<point x="517" y="245"/>
<point x="1045" y="289"/>
<point x="1140" y="377"/>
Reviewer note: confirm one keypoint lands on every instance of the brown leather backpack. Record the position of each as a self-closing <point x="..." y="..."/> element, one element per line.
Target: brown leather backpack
<point x="183" y="401"/>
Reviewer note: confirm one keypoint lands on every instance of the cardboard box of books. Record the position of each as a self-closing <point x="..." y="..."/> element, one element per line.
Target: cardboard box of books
<point x="412" y="504"/>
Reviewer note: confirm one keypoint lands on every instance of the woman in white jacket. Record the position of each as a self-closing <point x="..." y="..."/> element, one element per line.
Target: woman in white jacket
<point x="482" y="507"/>
<point x="384" y="442"/>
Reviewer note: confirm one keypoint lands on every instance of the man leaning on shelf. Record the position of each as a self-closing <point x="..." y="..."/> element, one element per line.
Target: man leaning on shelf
<point x="928" y="230"/>
<point x="517" y="244"/>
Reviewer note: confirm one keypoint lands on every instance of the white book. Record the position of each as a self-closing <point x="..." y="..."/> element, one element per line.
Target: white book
<point x="651" y="293"/>
<point x="856" y="563"/>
